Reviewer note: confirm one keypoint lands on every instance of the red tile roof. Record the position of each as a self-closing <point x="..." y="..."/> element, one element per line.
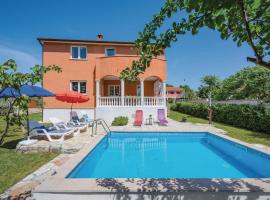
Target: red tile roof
<point x="173" y="88"/>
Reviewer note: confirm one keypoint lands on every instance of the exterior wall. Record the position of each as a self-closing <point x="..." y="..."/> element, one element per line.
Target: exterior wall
<point x="93" y="68"/>
<point x="64" y="113"/>
<point x="114" y="65"/>
<point x="59" y="54"/>
<point x="109" y="113"/>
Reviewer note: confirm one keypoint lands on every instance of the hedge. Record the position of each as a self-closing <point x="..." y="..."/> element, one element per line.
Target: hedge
<point x="254" y="118"/>
<point x="120" y="121"/>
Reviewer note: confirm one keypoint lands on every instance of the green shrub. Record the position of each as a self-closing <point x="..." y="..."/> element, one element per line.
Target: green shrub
<point x="172" y="106"/>
<point x="254" y="118"/>
<point x="120" y="121"/>
<point x="184" y="119"/>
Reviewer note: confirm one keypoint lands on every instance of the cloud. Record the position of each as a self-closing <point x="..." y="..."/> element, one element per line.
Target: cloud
<point x="24" y="59"/>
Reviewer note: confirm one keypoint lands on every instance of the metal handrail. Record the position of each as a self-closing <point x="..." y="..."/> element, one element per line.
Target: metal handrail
<point x="103" y="122"/>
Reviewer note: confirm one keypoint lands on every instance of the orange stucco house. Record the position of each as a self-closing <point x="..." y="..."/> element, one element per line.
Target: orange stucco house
<point x="174" y="92"/>
<point x="92" y="67"/>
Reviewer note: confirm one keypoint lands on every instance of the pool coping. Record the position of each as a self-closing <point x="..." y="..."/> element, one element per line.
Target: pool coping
<point x="59" y="184"/>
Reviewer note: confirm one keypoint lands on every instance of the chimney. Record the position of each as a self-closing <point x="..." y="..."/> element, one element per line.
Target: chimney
<point x="99" y="37"/>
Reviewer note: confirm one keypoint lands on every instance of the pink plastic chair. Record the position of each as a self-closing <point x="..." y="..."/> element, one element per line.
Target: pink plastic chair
<point x="138" y="118"/>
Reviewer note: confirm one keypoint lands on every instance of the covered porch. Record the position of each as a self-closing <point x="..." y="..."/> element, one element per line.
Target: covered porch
<point x="111" y="91"/>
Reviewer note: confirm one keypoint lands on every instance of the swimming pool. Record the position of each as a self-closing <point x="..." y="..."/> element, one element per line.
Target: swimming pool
<point x="171" y="155"/>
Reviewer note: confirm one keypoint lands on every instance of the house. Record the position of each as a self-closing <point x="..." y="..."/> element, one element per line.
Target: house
<point x="174" y="93"/>
<point x="93" y="67"/>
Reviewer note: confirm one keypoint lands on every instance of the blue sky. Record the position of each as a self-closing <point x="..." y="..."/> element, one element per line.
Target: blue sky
<point x="188" y="59"/>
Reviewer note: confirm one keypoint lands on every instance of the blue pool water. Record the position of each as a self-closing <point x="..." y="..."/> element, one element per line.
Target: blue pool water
<point x="171" y="155"/>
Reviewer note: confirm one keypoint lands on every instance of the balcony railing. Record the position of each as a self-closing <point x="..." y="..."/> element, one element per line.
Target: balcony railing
<point x="130" y="101"/>
<point x="154" y="101"/>
<point x="109" y="101"/>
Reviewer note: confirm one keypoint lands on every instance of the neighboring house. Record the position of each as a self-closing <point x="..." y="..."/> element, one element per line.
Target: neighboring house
<point x="32" y="104"/>
<point x="173" y="93"/>
<point x="93" y="68"/>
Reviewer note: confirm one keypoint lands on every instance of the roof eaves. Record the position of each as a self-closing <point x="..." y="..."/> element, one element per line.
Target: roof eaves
<point x="42" y="40"/>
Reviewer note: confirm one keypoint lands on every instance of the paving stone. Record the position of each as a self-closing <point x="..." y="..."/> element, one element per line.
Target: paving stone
<point x="26" y="188"/>
<point x="55" y="147"/>
<point x="60" y="161"/>
<point x="4" y="196"/>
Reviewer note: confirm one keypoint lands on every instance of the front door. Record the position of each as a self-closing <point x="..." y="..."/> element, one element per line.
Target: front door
<point x="114" y="90"/>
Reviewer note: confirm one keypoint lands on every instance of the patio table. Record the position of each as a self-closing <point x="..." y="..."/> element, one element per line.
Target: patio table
<point x="149" y="120"/>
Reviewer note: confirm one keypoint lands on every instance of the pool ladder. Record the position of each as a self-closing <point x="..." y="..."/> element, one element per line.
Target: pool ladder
<point x="101" y="122"/>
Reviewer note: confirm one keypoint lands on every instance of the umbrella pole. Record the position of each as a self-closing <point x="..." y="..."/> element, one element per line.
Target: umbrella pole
<point x="27" y="118"/>
<point x="71" y="111"/>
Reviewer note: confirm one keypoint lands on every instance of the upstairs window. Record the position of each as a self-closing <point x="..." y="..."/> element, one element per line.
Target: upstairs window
<point x="110" y="52"/>
<point x="78" y="52"/>
<point x="78" y="86"/>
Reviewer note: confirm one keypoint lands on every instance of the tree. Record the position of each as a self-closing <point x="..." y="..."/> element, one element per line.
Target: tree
<point x="248" y="83"/>
<point x="188" y="92"/>
<point x="10" y="77"/>
<point x="208" y="89"/>
<point x="210" y="86"/>
<point x="245" y="21"/>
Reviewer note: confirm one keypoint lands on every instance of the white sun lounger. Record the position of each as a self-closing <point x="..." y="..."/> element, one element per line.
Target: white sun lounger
<point x="38" y="130"/>
<point x="71" y="125"/>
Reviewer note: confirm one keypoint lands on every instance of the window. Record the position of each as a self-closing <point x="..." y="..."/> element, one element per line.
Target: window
<point x="110" y="52"/>
<point x="78" y="52"/>
<point x="78" y="86"/>
<point x="114" y="90"/>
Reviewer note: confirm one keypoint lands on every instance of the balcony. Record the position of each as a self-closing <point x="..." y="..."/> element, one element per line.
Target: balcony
<point x="113" y="66"/>
<point x="131" y="101"/>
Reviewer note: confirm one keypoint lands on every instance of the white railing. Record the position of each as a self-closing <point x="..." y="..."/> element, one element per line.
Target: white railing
<point x="130" y="101"/>
<point x="109" y="101"/>
<point x="154" y="101"/>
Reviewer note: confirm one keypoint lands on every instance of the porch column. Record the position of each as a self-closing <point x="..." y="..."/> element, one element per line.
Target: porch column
<point x="164" y="92"/>
<point x="97" y="92"/>
<point x="122" y="92"/>
<point x="142" y="91"/>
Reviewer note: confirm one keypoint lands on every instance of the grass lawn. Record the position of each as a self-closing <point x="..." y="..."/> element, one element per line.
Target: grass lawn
<point x="238" y="133"/>
<point x="15" y="166"/>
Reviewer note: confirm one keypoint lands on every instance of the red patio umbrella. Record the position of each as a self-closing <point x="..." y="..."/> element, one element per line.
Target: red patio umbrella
<point x="72" y="97"/>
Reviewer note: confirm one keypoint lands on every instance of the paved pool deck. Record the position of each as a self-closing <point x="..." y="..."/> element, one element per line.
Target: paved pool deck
<point x="76" y="143"/>
<point x="58" y="187"/>
<point x="53" y="185"/>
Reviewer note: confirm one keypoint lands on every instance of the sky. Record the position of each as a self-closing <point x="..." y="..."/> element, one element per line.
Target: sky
<point x="188" y="59"/>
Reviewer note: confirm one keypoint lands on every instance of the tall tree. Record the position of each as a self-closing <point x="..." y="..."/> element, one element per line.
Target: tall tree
<point x="248" y="83"/>
<point x="245" y="21"/>
<point x="208" y="89"/>
<point x="10" y="77"/>
<point x="210" y="86"/>
<point x="188" y="92"/>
